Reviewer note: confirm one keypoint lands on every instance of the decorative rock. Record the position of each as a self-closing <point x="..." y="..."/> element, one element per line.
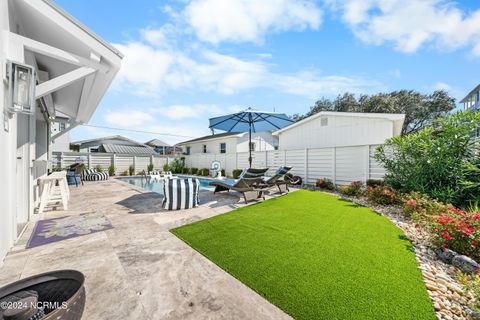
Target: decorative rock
<point x="465" y="264"/>
<point x="446" y="255"/>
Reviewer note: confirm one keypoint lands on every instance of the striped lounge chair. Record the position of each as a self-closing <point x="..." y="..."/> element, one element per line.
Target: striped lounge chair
<point x="93" y="175"/>
<point x="181" y="193"/>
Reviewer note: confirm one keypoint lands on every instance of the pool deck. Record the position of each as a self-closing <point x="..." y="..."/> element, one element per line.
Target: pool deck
<point x="138" y="269"/>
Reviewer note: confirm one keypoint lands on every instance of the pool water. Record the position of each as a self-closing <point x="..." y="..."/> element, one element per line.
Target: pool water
<point x="157" y="186"/>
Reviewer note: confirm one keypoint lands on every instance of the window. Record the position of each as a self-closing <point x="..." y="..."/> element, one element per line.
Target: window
<point x="188" y="151"/>
<point x="223" y="147"/>
<point x="324" y="122"/>
<point x="204" y="148"/>
<point x="94" y="149"/>
<point x="252" y="146"/>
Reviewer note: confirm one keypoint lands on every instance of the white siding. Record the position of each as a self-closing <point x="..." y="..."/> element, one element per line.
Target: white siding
<point x="340" y="131"/>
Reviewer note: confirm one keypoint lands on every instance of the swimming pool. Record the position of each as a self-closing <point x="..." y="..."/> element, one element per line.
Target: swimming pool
<point x="157" y="186"/>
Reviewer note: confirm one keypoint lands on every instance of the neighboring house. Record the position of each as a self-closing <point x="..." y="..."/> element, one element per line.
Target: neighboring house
<point x="229" y="142"/>
<point x="337" y="129"/>
<point x="472" y="100"/>
<point x="49" y="63"/>
<point x="62" y="143"/>
<point x="160" y="146"/>
<point x="113" y="144"/>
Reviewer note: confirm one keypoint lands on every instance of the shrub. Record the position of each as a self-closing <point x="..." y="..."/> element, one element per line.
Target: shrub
<point x="194" y="170"/>
<point x="437" y="160"/>
<point x="111" y="170"/>
<point x="166" y="167"/>
<point x="458" y="230"/>
<point x="374" y="182"/>
<point x="131" y="170"/>
<point x="186" y="171"/>
<point x="176" y="166"/>
<point x="124" y="173"/>
<point x="204" y="172"/>
<point x="99" y="168"/>
<point x="471" y="283"/>
<point x="223" y="172"/>
<point x="236" y="173"/>
<point x="420" y="206"/>
<point x="382" y="195"/>
<point x="150" y="167"/>
<point x="355" y="189"/>
<point x="325" y="183"/>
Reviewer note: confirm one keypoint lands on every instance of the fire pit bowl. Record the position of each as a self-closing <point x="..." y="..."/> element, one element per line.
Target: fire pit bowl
<point x="47" y="296"/>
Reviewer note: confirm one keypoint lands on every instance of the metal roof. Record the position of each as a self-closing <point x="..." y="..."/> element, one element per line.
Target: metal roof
<point x="117" y="137"/>
<point x="115" y="148"/>
<point x="477" y="88"/>
<point x="210" y="137"/>
<point x="157" y="143"/>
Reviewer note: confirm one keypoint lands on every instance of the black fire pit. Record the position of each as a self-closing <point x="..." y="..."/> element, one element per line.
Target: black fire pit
<point x="47" y="296"/>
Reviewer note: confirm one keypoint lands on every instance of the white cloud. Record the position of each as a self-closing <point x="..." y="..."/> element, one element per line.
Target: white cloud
<point x="410" y="24"/>
<point x="127" y="118"/>
<point x="150" y="70"/>
<point x="442" y="86"/>
<point x="215" y="21"/>
<point x="184" y="112"/>
<point x="143" y="68"/>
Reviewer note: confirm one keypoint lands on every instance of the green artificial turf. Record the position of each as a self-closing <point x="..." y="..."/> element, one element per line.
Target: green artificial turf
<point x="316" y="256"/>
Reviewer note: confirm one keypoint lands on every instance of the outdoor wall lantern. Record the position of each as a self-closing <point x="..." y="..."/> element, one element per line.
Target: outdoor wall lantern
<point x="21" y="87"/>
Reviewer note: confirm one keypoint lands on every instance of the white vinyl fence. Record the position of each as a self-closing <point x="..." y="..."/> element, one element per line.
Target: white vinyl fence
<point x="121" y="162"/>
<point x="339" y="164"/>
<point x="342" y="165"/>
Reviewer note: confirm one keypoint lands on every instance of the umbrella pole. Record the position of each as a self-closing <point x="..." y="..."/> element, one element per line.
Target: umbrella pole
<point x="250" y="145"/>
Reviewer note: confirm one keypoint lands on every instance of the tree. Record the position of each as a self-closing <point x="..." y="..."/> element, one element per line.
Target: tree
<point x="440" y="161"/>
<point x="420" y="110"/>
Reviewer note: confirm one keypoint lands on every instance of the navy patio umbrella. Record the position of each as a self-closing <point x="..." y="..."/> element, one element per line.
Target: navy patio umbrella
<point x="250" y="120"/>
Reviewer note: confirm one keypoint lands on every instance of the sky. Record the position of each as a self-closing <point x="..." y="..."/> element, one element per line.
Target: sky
<point x="186" y="61"/>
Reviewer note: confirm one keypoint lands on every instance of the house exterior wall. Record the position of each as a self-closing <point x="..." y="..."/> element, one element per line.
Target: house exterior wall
<point x="7" y="156"/>
<point x="22" y="141"/>
<point x="264" y="141"/>
<point x="62" y="143"/>
<point x="213" y="146"/>
<point x="339" y="131"/>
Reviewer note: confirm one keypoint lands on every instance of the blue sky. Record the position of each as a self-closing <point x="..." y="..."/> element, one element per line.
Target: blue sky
<point x="186" y="61"/>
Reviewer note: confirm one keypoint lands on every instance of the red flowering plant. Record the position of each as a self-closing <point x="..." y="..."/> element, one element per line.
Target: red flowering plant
<point x="325" y="183"/>
<point x="458" y="230"/>
<point x="420" y="206"/>
<point x="355" y="189"/>
<point x="381" y="195"/>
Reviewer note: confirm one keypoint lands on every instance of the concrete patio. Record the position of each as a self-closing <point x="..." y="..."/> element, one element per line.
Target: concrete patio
<point x="138" y="269"/>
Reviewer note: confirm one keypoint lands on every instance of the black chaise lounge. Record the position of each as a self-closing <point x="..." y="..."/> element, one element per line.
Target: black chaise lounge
<point x="248" y="184"/>
<point x="280" y="179"/>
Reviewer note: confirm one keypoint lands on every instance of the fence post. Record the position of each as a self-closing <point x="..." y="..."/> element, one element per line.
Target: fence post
<point x="89" y="161"/>
<point x="367" y="163"/>
<point x="306" y="166"/>
<point x="61" y="160"/>
<point x="334" y="165"/>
